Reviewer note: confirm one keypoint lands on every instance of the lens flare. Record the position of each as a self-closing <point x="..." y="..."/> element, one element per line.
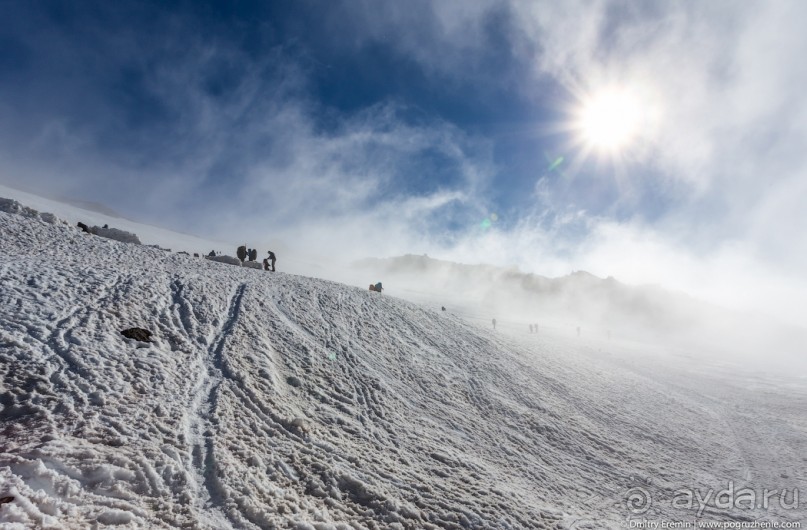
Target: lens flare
<point x="488" y="221"/>
<point x="555" y="165"/>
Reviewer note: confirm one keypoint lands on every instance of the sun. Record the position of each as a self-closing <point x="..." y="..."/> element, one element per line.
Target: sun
<point x="610" y="126"/>
<point x="610" y="120"/>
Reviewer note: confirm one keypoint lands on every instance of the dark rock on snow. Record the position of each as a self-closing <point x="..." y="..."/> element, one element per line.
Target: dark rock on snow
<point x="139" y="334"/>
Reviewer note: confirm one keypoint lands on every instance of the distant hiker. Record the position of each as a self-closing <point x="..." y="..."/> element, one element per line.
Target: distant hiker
<point x="530" y="328"/>
<point x="378" y="287"/>
<point x="212" y="254"/>
<point x="269" y="261"/>
<point x="253" y="255"/>
<point x="494" y="323"/>
<point x="241" y="253"/>
<point x="443" y="308"/>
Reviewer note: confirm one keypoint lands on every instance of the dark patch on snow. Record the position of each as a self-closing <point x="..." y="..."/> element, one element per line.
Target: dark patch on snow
<point x="138" y="334"/>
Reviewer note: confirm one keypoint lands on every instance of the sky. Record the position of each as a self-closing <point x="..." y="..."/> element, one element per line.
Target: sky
<point x="656" y="142"/>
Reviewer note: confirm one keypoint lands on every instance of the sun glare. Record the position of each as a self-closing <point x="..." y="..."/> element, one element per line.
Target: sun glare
<point x="610" y="120"/>
<point x="615" y="124"/>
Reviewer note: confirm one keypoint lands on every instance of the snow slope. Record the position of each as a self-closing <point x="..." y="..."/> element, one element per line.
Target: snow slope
<point x="150" y="235"/>
<point x="274" y="401"/>
<point x="599" y="305"/>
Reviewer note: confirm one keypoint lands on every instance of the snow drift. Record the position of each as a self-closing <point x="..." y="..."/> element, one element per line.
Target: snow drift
<point x="14" y="207"/>
<point x="115" y="233"/>
<point x="229" y="260"/>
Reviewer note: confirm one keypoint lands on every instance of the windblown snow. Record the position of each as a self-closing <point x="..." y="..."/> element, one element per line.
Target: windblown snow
<point x="268" y="400"/>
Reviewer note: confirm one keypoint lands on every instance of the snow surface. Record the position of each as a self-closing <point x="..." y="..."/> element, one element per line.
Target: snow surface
<point x="229" y="260"/>
<point x="147" y="233"/>
<point x="269" y="400"/>
<point x="116" y="234"/>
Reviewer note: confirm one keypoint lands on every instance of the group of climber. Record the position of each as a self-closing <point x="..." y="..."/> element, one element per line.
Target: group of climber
<point x="250" y="254"/>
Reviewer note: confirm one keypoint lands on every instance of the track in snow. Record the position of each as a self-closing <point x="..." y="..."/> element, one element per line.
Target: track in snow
<point x="202" y="424"/>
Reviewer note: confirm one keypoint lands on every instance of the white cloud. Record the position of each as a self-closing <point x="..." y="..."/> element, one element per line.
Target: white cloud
<point x="731" y="150"/>
<point x="729" y="154"/>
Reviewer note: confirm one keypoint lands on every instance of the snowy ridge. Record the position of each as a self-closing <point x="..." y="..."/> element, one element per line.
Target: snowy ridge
<point x="99" y="215"/>
<point x="274" y="401"/>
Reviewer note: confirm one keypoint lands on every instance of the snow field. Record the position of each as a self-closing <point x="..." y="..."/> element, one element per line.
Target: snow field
<point x="274" y="401"/>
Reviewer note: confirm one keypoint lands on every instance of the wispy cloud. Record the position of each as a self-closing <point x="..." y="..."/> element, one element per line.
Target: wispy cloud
<point x="728" y="154"/>
<point x="182" y="125"/>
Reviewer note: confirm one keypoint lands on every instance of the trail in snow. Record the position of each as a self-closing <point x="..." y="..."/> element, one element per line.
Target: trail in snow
<point x="275" y="401"/>
<point x="202" y="424"/>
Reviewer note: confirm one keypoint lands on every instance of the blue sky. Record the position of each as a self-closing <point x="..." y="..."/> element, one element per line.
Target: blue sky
<point x="365" y="128"/>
